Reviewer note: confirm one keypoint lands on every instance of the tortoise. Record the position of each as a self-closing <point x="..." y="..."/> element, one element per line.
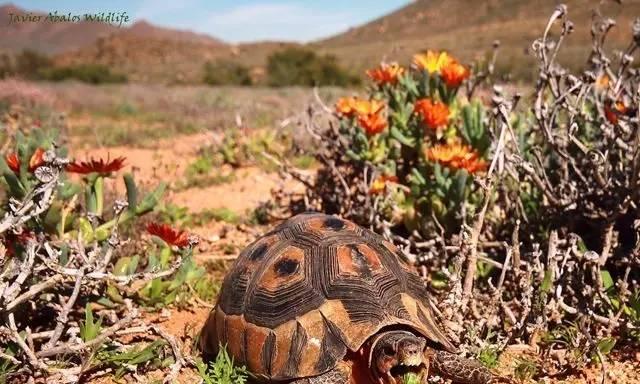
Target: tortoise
<point x="320" y="300"/>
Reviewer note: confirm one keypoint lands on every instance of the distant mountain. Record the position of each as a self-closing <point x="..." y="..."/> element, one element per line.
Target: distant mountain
<point x="144" y="29"/>
<point x="46" y="37"/>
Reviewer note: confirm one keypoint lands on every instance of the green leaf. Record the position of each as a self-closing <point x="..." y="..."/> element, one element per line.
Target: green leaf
<point x="151" y="200"/>
<point x="114" y="294"/>
<point x="90" y="199"/>
<point x="132" y="191"/>
<point x="89" y="329"/>
<point x="68" y="189"/>
<point x="415" y="173"/>
<point x="396" y="134"/>
<point x="607" y="280"/>
<point x="64" y="254"/>
<point x="547" y="284"/>
<point x="86" y="230"/>
<point x="16" y="189"/>
<point x="606" y="345"/>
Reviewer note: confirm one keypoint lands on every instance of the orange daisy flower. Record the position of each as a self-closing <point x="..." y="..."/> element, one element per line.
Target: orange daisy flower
<point x="457" y="156"/>
<point x="98" y="166"/>
<point x="435" y="114"/>
<point x="170" y="235"/>
<point x="454" y="74"/>
<point x="36" y="160"/>
<point x="373" y="123"/>
<point x="379" y="184"/>
<point x="432" y="61"/>
<point x="344" y="106"/>
<point x="613" y="110"/>
<point x="349" y="106"/>
<point x="386" y="73"/>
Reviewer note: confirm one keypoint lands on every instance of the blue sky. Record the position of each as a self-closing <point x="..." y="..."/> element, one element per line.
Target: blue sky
<point x="238" y="20"/>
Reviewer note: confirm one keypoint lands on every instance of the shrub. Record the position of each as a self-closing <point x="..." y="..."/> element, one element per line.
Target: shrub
<point x="224" y="72"/>
<point x="523" y="212"/>
<point x="298" y="66"/>
<point x="69" y="286"/>
<point x="88" y="73"/>
<point x="31" y="64"/>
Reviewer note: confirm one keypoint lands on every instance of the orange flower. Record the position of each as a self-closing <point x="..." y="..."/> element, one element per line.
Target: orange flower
<point x="432" y="61"/>
<point x="36" y="160"/>
<point x="386" y="73"/>
<point x="373" y="123"/>
<point x="379" y="184"/>
<point x="457" y="156"/>
<point x="349" y="106"/>
<point x="603" y="82"/>
<point x="344" y="106"/>
<point x="99" y="166"/>
<point x="170" y="235"/>
<point x="613" y="110"/>
<point x="454" y="74"/>
<point x="435" y="114"/>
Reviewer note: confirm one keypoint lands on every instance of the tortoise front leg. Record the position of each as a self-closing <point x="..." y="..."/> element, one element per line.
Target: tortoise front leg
<point x="460" y="370"/>
<point x="341" y="374"/>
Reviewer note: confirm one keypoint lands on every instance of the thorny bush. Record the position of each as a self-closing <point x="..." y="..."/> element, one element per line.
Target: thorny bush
<point x="522" y="213"/>
<point x="71" y="283"/>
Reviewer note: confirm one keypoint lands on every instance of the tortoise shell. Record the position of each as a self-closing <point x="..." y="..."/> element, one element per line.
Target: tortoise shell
<point x="303" y="295"/>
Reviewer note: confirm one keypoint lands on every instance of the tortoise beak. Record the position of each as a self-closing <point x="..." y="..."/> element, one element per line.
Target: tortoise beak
<point x="410" y="360"/>
<point x="410" y="353"/>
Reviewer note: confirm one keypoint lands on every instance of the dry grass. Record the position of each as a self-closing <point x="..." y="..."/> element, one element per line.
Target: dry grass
<point x="139" y="115"/>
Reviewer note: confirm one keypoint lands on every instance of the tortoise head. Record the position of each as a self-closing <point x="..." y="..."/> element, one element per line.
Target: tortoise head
<point x="394" y="353"/>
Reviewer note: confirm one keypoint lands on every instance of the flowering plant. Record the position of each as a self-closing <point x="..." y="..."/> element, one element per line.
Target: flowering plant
<point x="424" y="143"/>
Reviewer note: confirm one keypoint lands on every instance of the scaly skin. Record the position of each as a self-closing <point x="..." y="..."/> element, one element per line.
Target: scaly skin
<point x="459" y="369"/>
<point x="398" y="348"/>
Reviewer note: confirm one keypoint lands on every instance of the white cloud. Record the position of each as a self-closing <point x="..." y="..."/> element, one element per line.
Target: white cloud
<point x="275" y="21"/>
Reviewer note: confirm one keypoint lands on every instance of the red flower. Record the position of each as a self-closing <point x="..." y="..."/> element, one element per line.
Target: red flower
<point x="454" y="74"/>
<point x="170" y="235"/>
<point x="435" y="114"/>
<point x="11" y="240"/>
<point x="36" y="160"/>
<point x="13" y="162"/>
<point x="99" y="166"/>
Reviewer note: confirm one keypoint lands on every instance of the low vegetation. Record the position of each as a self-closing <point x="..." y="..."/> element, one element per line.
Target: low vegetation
<point x="224" y="72"/>
<point x="299" y="66"/>
<point x="35" y="66"/>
